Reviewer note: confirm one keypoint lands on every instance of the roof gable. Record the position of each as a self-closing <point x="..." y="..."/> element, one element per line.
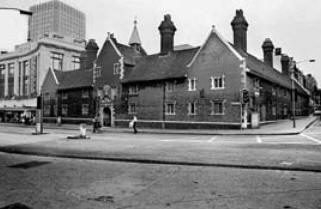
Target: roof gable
<point x="215" y="33"/>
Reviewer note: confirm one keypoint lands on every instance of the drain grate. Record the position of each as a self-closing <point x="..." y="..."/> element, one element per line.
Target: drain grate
<point x="29" y="164"/>
<point x="16" y="206"/>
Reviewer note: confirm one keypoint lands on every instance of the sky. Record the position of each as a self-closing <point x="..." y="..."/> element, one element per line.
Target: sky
<point x="293" y="25"/>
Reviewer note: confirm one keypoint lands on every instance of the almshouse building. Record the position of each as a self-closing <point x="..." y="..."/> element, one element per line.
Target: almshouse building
<point x="202" y="86"/>
<point x="217" y="84"/>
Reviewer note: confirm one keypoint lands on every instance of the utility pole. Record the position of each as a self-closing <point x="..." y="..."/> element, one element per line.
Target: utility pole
<point x="292" y="65"/>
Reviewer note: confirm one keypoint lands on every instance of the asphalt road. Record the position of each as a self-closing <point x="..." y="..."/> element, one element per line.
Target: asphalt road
<point x="201" y="171"/>
<point x="44" y="182"/>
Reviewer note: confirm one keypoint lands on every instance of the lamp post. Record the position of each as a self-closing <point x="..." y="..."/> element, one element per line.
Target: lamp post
<point x="22" y="11"/>
<point x="292" y="66"/>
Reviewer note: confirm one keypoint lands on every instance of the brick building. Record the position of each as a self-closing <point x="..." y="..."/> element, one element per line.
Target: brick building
<point x="186" y="87"/>
<point x="114" y="61"/>
<point x="69" y="94"/>
<point x="201" y="86"/>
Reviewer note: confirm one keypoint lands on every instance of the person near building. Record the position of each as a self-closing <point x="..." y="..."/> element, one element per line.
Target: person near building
<point x="134" y="124"/>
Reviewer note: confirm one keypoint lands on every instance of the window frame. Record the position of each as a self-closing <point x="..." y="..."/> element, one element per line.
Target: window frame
<point x="117" y="68"/>
<point x="64" y="109"/>
<point x="132" y="108"/>
<point x="167" y="108"/>
<point x="56" y="59"/>
<point x="64" y="95"/>
<point x="192" y="106"/>
<point x="75" y="62"/>
<point x="85" y="107"/>
<point x="192" y="84"/>
<point x="133" y="89"/>
<point x="213" y="102"/>
<point x="84" y="93"/>
<point x="170" y="86"/>
<point x="219" y="80"/>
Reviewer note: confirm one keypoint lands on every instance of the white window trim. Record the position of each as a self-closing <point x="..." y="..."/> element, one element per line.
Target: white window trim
<point x="130" y="111"/>
<point x="83" y="94"/>
<point x="189" y="106"/>
<point x="212" y="107"/>
<point x="172" y="84"/>
<point x="64" y="106"/>
<point x="190" y="84"/>
<point x="98" y="71"/>
<point x="117" y="69"/>
<point x="133" y="90"/>
<point x="82" y="107"/>
<point x="213" y="82"/>
<point x="166" y="108"/>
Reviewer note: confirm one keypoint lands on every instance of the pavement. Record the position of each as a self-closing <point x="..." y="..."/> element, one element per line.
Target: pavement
<point x="280" y="127"/>
<point x="177" y="147"/>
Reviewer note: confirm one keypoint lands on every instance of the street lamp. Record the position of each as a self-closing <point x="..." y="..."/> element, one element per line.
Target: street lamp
<point x="22" y="11"/>
<point x="292" y="66"/>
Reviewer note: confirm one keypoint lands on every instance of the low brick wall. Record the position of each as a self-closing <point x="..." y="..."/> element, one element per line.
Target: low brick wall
<point x="178" y="125"/>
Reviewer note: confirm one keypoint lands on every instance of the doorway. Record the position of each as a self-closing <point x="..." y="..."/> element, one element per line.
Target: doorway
<point x="106" y="117"/>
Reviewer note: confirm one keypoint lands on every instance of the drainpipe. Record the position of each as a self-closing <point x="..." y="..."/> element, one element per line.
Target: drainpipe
<point x="164" y="97"/>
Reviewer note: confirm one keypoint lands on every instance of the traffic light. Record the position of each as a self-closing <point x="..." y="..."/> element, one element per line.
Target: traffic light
<point x="39" y="102"/>
<point x="245" y="96"/>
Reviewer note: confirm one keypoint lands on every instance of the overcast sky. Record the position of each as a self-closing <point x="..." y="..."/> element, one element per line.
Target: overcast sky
<point x="293" y="25"/>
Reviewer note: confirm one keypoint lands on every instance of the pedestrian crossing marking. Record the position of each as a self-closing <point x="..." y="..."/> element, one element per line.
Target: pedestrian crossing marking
<point x="311" y="138"/>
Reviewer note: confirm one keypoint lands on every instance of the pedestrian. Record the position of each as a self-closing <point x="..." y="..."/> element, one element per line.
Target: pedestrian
<point x="134" y="124"/>
<point x="95" y="124"/>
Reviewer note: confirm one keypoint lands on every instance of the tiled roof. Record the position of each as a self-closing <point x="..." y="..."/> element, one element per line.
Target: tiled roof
<point x="74" y="79"/>
<point x="158" y="67"/>
<point x="263" y="70"/>
<point x="129" y="53"/>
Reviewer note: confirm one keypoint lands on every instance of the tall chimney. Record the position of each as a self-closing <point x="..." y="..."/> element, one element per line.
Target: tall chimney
<point x="285" y="61"/>
<point x="239" y="25"/>
<point x="88" y="57"/>
<point x="268" y="47"/>
<point x="167" y="30"/>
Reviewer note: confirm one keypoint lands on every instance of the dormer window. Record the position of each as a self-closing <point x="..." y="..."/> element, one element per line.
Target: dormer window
<point x="117" y="68"/>
<point x="218" y="82"/>
<point x="192" y="84"/>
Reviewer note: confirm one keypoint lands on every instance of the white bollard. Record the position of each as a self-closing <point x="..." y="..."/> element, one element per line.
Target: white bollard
<point x="82" y="130"/>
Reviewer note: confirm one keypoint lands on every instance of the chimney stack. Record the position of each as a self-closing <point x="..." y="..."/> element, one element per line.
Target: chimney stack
<point x="239" y="25"/>
<point x="88" y="57"/>
<point x="268" y="47"/>
<point x="167" y="31"/>
<point x="285" y="61"/>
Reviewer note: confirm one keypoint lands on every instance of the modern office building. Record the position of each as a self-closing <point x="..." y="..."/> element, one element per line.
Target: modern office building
<point x="23" y="70"/>
<point x="56" y="17"/>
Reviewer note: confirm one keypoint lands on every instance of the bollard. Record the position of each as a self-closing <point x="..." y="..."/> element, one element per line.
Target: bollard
<point x="82" y="130"/>
<point x="58" y="120"/>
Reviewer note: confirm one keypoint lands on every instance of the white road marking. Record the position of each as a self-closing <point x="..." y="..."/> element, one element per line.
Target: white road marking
<point x="286" y="163"/>
<point x="212" y="139"/>
<point x="311" y="138"/>
<point x="258" y="139"/>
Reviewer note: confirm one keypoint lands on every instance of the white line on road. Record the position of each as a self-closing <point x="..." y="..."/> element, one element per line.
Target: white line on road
<point x="212" y="139"/>
<point x="258" y="139"/>
<point x="311" y="138"/>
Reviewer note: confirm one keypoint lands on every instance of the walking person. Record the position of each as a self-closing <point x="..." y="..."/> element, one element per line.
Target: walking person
<point x="134" y="124"/>
<point x="95" y="121"/>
